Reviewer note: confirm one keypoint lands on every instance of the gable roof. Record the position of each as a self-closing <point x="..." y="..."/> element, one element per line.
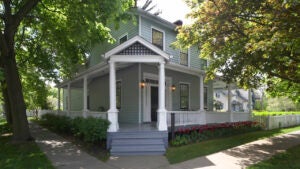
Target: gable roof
<point x="136" y="46"/>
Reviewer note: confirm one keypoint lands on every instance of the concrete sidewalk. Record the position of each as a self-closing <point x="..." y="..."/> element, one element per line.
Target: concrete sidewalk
<point x="65" y="155"/>
<point x="244" y="155"/>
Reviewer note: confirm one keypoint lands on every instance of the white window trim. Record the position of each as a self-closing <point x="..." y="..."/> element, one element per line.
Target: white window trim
<point x="164" y="34"/>
<point x="120" y="37"/>
<point x="189" y="84"/>
<point x="188" y="53"/>
<point x="205" y="86"/>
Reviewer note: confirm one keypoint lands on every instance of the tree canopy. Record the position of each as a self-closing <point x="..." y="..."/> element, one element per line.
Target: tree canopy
<point x="250" y="42"/>
<point x="44" y="40"/>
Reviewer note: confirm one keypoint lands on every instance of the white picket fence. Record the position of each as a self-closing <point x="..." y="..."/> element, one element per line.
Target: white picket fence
<point x="275" y="122"/>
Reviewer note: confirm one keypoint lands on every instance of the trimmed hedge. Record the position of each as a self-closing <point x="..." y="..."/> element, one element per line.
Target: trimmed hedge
<point x="88" y="129"/>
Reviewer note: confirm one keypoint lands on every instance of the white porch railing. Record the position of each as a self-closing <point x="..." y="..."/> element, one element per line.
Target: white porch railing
<point x="186" y="117"/>
<point x="183" y="118"/>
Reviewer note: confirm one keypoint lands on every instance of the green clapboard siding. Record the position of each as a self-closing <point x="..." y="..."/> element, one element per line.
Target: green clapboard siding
<point x="128" y="27"/>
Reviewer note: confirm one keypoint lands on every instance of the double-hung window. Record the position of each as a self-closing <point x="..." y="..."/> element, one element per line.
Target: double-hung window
<point x="184" y="96"/>
<point x="184" y="57"/>
<point x="205" y="98"/>
<point x="158" y="38"/>
<point x="118" y="94"/>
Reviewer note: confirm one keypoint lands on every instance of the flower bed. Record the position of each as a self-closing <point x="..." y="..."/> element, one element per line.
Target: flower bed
<point x="194" y="134"/>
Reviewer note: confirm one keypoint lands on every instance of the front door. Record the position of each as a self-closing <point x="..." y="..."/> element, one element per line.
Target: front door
<point x="154" y="102"/>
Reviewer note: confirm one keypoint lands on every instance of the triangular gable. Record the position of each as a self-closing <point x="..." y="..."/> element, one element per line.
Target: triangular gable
<point x="137" y="49"/>
<point x="136" y="46"/>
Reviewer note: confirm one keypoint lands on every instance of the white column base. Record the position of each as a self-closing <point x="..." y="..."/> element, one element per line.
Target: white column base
<point x="84" y="113"/>
<point x="112" y="117"/>
<point x="162" y="120"/>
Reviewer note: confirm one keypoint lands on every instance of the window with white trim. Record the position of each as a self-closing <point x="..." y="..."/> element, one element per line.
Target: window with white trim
<point x="184" y="96"/>
<point x="123" y="39"/>
<point x="118" y="94"/>
<point x="158" y="38"/>
<point x="184" y="57"/>
<point x="205" y="98"/>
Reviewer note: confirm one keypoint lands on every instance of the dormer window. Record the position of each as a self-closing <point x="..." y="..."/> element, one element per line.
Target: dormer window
<point x="184" y="57"/>
<point x="123" y="39"/>
<point x="158" y="38"/>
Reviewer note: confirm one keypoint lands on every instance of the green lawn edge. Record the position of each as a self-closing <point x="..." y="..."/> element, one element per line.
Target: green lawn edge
<point x="187" y="152"/>
<point x="22" y="155"/>
<point x="288" y="159"/>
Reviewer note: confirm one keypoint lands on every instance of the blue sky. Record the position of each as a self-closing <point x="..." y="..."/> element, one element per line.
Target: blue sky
<point x="172" y="10"/>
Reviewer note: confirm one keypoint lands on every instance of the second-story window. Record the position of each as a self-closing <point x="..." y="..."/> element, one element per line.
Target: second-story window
<point x="123" y="39"/>
<point x="184" y="57"/>
<point x="158" y="38"/>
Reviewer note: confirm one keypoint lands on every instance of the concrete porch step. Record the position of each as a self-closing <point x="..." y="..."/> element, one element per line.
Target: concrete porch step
<point x="138" y="142"/>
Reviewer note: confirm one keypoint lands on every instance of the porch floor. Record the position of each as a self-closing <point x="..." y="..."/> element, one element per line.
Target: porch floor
<point x="127" y="127"/>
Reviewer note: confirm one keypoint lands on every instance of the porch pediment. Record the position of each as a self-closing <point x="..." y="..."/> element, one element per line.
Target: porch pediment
<point x="136" y="49"/>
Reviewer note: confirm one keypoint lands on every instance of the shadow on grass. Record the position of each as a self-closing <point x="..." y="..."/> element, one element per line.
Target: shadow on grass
<point x="20" y="156"/>
<point x="187" y="152"/>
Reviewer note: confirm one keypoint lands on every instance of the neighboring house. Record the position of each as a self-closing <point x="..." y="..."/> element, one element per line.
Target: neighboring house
<point x="239" y="100"/>
<point x="138" y="81"/>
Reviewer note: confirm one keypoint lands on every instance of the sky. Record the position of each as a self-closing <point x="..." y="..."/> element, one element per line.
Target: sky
<point x="172" y="10"/>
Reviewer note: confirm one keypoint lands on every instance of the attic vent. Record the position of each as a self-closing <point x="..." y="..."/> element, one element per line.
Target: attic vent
<point x="137" y="49"/>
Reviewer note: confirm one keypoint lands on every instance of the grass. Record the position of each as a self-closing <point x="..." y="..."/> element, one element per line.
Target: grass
<point x="187" y="152"/>
<point x="20" y="156"/>
<point x="288" y="159"/>
<point x="266" y="113"/>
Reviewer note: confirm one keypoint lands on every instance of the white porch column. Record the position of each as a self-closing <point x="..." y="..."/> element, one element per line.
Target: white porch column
<point x="229" y="103"/>
<point x="58" y="100"/>
<point x="201" y="108"/>
<point x="112" y="113"/>
<point x="162" y="112"/>
<point x="69" y="99"/>
<point x="250" y="103"/>
<point x="84" y="111"/>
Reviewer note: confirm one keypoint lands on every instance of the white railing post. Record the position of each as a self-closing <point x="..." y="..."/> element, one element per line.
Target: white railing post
<point x="201" y="107"/>
<point x="229" y="103"/>
<point x="250" y="103"/>
<point x="161" y="112"/>
<point x="112" y="113"/>
<point x="84" y="111"/>
<point x="58" y="100"/>
<point x="69" y="99"/>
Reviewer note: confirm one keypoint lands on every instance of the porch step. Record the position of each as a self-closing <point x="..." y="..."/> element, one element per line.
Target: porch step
<point x="138" y="143"/>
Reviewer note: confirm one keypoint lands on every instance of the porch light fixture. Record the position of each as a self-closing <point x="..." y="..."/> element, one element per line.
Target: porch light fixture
<point x="143" y="84"/>
<point x="173" y="88"/>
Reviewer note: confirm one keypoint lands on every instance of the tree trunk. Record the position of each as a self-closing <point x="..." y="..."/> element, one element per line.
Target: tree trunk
<point x="7" y="108"/>
<point x="20" y="124"/>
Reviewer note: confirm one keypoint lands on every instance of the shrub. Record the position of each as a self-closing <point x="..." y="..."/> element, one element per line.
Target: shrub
<point x="60" y="124"/>
<point x="88" y="129"/>
<point x="193" y="134"/>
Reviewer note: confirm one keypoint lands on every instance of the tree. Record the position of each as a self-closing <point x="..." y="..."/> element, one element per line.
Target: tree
<point x="51" y="37"/>
<point x="250" y="42"/>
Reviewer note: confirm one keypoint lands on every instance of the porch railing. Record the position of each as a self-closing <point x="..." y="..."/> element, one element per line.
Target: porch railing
<point x="186" y="117"/>
<point x="183" y="118"/>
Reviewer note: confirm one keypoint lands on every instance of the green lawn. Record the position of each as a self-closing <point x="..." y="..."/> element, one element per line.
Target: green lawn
<point x="183" y="153"/>
<point x="20" y="156"/>
<point x="266" y="113"/>
<point x="288" y="159"/>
